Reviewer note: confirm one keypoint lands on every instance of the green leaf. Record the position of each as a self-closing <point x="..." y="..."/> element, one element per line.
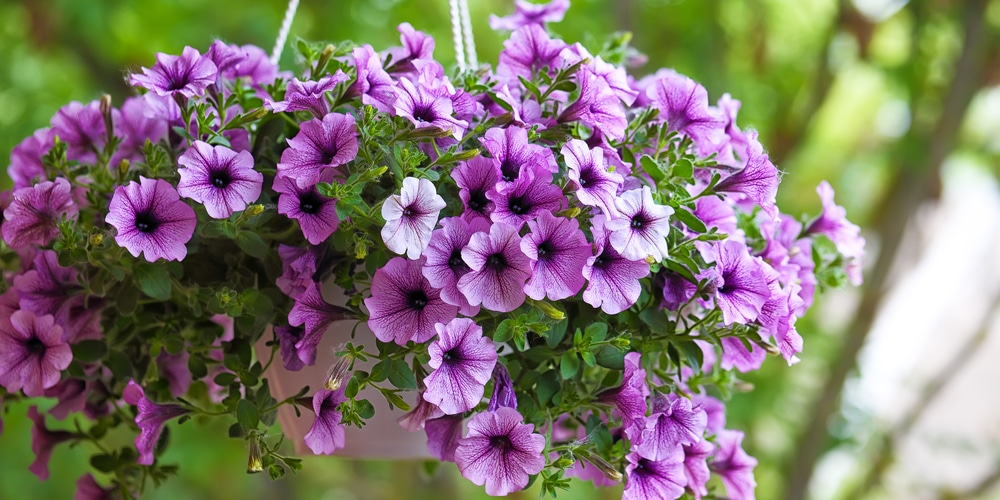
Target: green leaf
<point x="225" y="378"/>
<point x="610" y="357"/>
<point x="153" y="280"/>
<point x="364" y="409"/>
<point x="651" y="167"/>
<point x="104" y="462"/>
<point x="504" y="331"/>
<point x="401" y="376"/>
<point x="351" y="390"/>
<point x="395" y="401"/>
<point x="676" y="267"/>
<point x="120" y="365"/>
<point x="596" y="332"/>
<point x="89" y="351"/>
<point x="275" y="472"/>
<point x="569" y="364"/>
<point x="589" y="358"/>
<point x="683" y="168"/>
<point x="235" y="431"/>
<point x="246" y="415"/>
<point x="252" y="244"/>
<point x="381" y="370"/>
<point x="693" y="354"/>
<point x="557" y="333"/>
<point x="547" y="386"/>
<point x="690" y="220"/>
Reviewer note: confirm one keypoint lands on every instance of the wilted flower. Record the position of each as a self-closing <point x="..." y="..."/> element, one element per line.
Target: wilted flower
<point x="42" y="442"/>
<point x="150" y="419"/>
<point x="327" y="433"/>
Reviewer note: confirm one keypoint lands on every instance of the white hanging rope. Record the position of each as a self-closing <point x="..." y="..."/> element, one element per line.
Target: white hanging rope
<point x="470" y="43"/>
<point x="456" y="33"/>
<point x="286" y="26"/>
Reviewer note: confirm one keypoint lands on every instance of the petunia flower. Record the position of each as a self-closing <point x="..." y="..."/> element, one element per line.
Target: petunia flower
<point x="308" y="95"/>
<point x="443" y="436"/>
<point x="298" y="265"/>
<point x="316" y="314"/>
<point x="696" y="466"/>
<point x="33" y="215"/>
<point x="327" y="433"/>
<point x="476" y="178"/>
<point x="32" y="353"/>
<point x="150" y="418"/>
<point x="757" y="182"/>
<point x="736" y="355"/>
<point x="615" y="76"/>
<point x="587" y="171"/>
<point x="26" y="158"/>
<point x="43" y="441"/>
<point x="88" y="489"/>
<point x="319" y="146"/>
<point x="530" y="13"/>
<point x="72" y="396"/>
<point x="174" y="369"/>
<point x="629" y="398"/>
<point x="654" y="479"/>
<point x="683" y="104"/>
<point x="151" y="219"/>
<point x="188" y="74"/>
<point x="317" y="214"/>
<point x="415" y="45"/>
<point x="499" y="269"/>
<point x="134" y="125"/>
<point x="415" y="419"/>
<point x="288" y="337"/>
<point x="677" y="291"/>
<point x="219" y="178"/>
<point x="597" y="106"/>
<point x="372" y="83"/>
<point x="410" y="217"/>
<point x="444" y="265"/>
<point x="733" y="465"/>
<point x="427" y="110"/>
<point x="525" y="199"/>
<point x="641" y="227"/>
<point x="256" y="66"/>
<point x="613" y="281"/>
<point x="514" y="157"/>
<point x="403" y="305"/>
<point x="462" y="360"/>
<point x="740" y="285"/>
<point x="833" y="223"/>
<point x="226" y="57"/>
<point x="503" y="389"/>
<point x="82" y="128"/>
<point x="528" y="50"/>
<point x="558" y="250"/>
<point x="47" y="287"/>
<point x="500" y="451"/>
<point x="673" y="423"/>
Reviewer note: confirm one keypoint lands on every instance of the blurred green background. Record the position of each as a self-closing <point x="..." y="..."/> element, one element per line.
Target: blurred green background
<point x="872" y="95"/>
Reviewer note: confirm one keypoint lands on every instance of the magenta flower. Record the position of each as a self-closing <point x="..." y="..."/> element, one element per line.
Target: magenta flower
<point x="476" y="179"/>
<point x="43" y="441"/>
<point x="641" y="227"/>
<point x="528" y="50"/>
<point x="739" y="281"/>
<point x="654" y="479"/>
<point x="444" y="265"/>
<point x="81" y="127"/>
<point x="629" y="398"/>
<point x="151" y="219"/>
<point x="558" y="250"/>
<point x="308" y="95"/>
<point x="499" y="269"/>
<point x="34" y="212"/>
<point x="500" y="451"/>
<point x="288" y="337"/>
<point x="317" y="214"/>
<point x="530" y="13"/>
<point x="598" y="106"/>
<point x="26" y="159"/>
<point x="151" y="418"/>
<point x="327" y="433"/>
<point x="757" y="182"/>
<point x="47" y="287"/>
<point x="219" y="178"/>
<point x="32" y="353"/>
<point x="426" y="109"/>
<point x="733" y="465"/>
<point x="317" y="147"/>
<point x="298" y="265"/>
<point x="255" y="66"/>
<point x="677" y="291"/>
<point x="443" y="436"/>
<point x="503" y="390"/>
<point x="415" y="419"/>
<point x="415" y="45"/>
<point x="588" y="173"/>
<point x="373" y="84"/>
<point x="88" y="489"/>
<point x="72" y="396"/>
<point x="188" y="74"/>
<point x="735" y="354"/>
<point x="410" y="217"/>
<point x="514" y="158"/>
<point x="613" y="280"/>
<point x="316" y="314"/>
<point x="683" y="104"/>
<point x="174" y="369"/>
<point x="672" y="424"/>
<point x="833" y="223"/>
<point x="462" y="360"/>
<point x="135" y="124"/>
<point x="403" y="305"/>
<point x="525" y="199"/>
<point x="696" y="466"/>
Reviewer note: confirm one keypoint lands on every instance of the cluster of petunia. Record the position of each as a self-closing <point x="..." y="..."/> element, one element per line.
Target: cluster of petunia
<point x="568" y="266"/>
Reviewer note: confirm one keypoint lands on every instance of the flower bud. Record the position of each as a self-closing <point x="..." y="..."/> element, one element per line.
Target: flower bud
<point x="96" y="239"/>
<point x="563" y="462"/>
<point x="550" y="310"/>
<point x="105" y="106"/>
<point x="123" y="167"/>
<point x="602" y="465"/>
<point x="360" y="249"/>
<point x="254" y="210"/>
<point x="337" y="374"/>
<point x="571" y="213"/>
<point x="255" y="463"/>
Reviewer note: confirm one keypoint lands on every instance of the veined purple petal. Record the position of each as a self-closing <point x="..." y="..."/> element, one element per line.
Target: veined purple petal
<point x="219" y="178"/>
<point x="500" y="451"/>
<point x="444" y="265"/>
<point x="410" y="217"/>
<point x="151" y="219"/>
<point x="403" y="305"/>
<point x="462" y="360"/>
<point x="499" y="269"/>
<point x="558" y="250"/>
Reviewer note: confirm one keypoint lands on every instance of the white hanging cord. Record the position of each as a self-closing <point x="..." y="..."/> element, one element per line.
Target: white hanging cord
<point x="470" y="43"/>
<point x="286" y="26"/>
<point x="456" y="33"/>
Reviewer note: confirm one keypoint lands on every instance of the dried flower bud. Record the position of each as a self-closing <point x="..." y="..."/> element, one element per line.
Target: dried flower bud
<point x="255" y="463"/>
<point x="337" y="374"/>
<point x="602" y="465"/>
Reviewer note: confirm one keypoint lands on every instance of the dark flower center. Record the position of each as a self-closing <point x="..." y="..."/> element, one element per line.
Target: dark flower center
<point x="451" y="355"/>
<point x="497" y="262"/>
<point x="602" y="261"/>
<point x="477" y="201"/>
<point x="642" y="465"/>
<point x="518" y="205"/>
<point x="725" y="288"/>
<point x="508" y="170"/>
<point x="178" y="80"/>
<point x="35" y="346"/>
<point x="220" y="179"/>
<point x="310" y="202"/>
<point x="545" y="249"/>
<point x="328" y="153"/>
<point x="416" y="299"/>
<point x="638" y="221"/>
<point x="455" y="262"/>
<point x="423" y="114"/>
<point x="587" y="176"/>
<point x="501" y="443"/>
<point x="409" y="212"/>
<point x="146" y="222"/>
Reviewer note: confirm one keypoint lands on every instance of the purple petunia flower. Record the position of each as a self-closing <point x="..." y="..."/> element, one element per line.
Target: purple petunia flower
<point x="736" y="354"/>
<point x="47" y="287"/>
<point x="739" y="282"/>
<point x="26" y="158"/>
<point x="500" y="451"/>
<point x="32" y="353"/>
<point x="462" y="360"/>
<point x="218" y="177"/>
<point x="403" y="305"/>
<point x="558" y="250"/>
<point x="654" y="479"/>
<point x="629" y="397"/>
<point x="696" y="466"/>
<point x="615" y="76"/>
<point x="588" y="173"/>
<point x="833" y="223"/>
<point x="35" y="211"/>
<point x="320" y="145"/>
<point x="88" y="489"/>
<point x="256" y="66"/>
<point x="308" y="95"/>
<point x="415" y="45"/>
<point x="476" y="178"/>
<point x="503" y="389"/>
<point x="672" y="424"/>
<point x="499" y="269"/>
<point x="427" y="110"/>
<point x="641" y="227"/>
<point x="598" y="106"/>
<point x="188" y="74"/>
<point x="530" y="13"/>
<point x="528" y="50"/>
<point x="82" y="128"/>
<point x="150" y="418"/>
<point x="43" y="441"/>
<point x="613" y="280"/>
<point x="298" y="265"/>
<point x="134" y="124"/>
<point x="525" y="199"/>
<point x="72" y="395"/>
<point x="372" y="83"/>
<point x="415" y="419"/>
<point x="410" y="217"/>
<point x="683" y="104"/>
<point x="317" y="214"/>
<point x="444" y="265"/>
<point x="443" y="436"/>
<point x="225" y="57"/>
<point x="514" y="158"/>
<point x="174" y="369"/>
<point x="733" y="465"/>
<point x="151" y="219"/>
<point x="316" y="314"/>
<point x="757" y="182"/>
<point x="327" y="433"/>
<point x="288" y="337"/>
<point x="677" y="291"/>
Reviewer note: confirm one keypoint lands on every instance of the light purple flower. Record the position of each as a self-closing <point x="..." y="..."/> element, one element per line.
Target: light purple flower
<point x="403" y="305"/>
<point x="319" y="146"/>
<point x="528" y="50"/>
<point x="833" y="223"/>
<point x="327" y="433"/>
<point x="503" y="389"/>
<point x="150" y="418"/>
<point x="613" y="281"/>
<point x="410" y="217"/>
<point x="444" y="265"/>
<point x="43" y="441"/>
<point x="415" y="419"/>
<point x="372" y="83"/>
<point x="530" y="13"/>
<point x="739" y="282"/>
<point x="298" y="265"/>
<point x="288" y="337"/>
<point x="696" y="466"/>
<point x="499" y="269"/>
<point x="316" y="314"/>
<point x="677" y="291"/>
<point x="256" y="66"/>
<point x="757" y="182"/>
<point x="641" y="227"/>
<point x="26" y="158"/>
<point x="663" y="479"/>
<point x="415" y="45"/>
<point x="35" y="211"/>
<point x="188" y="74"/>
<point x="88" y="489"/>
<point x="558" y="250"/>
<point x="32" y="353"/>
<point x="734" y="466"/>
<point x="151" y="219"/>
<point x="525" y="199"/>
<point x="426" y="109"/>
<point x="598" y="106"/>
<point x="135" y="124"/>
<point x="308" y="95"/>
<point x="629" y="398"/>
<point x="588" y="173"/>
<point x="317" y="214"/>
<point x="476" y="178"/>
<point x="82" y="128"/>
<point x="174" y="369"/>
<point x="219" y="178"/>
<point x="615" y="76"/>
<point x="683" y="104"/>
<point x="443" y="436"/>
<point x="673" y="423"/>
<point x="514" y="158"/>
<point x="462" y="360"/>
<point x="225" y="57"/>
<point x="500" y="451"/>
<point x="47" y="287"/>
<point x="716" y="213"/>
<point x="735" y="354"/>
